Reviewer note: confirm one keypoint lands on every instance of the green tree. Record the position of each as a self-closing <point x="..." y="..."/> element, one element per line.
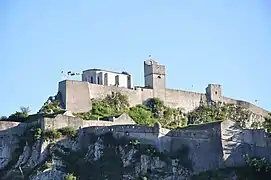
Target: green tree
<point x="142" y="115"/>
<point x="20" y="115"/>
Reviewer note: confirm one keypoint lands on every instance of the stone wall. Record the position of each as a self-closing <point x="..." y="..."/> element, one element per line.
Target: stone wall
<point x="77" y="97"/>
<point x="203" y="142"/>
<point x="257" y="114"/>
<point x="4" y="125"/>
<point x="210" y="146"/>
<point x="200" y="139"/>
<point x="237" y="142"/>
<point x="184" y="99"/>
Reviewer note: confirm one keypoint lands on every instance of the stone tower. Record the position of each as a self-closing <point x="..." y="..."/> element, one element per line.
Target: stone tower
<point x="214" y="93"/>
<point x="155" y="78"/>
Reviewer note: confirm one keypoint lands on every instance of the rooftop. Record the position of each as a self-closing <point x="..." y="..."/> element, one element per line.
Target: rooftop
<point x="115" y="72"/>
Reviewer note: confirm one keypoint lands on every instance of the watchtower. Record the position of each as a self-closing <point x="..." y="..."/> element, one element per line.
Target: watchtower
<point x="214" y="93"/>
<point x="155" y="78"/>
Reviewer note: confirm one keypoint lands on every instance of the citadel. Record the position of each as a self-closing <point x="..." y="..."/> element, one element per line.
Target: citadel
<point x="97" y="83"/>
<point x="213" y="145"/>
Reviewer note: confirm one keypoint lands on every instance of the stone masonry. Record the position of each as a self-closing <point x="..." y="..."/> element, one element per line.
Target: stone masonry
<point x="77" y="95"/>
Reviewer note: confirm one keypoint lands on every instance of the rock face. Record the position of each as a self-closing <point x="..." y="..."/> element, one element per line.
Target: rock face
<point x="64" y="154"/>
<point x="103" y="157"/>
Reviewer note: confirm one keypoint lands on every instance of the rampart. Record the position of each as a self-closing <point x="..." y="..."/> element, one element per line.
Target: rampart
<point x="77" y="95"/>
<point x="210" y="146"/>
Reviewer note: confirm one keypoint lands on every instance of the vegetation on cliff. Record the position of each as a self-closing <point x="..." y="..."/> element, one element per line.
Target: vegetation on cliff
<point x="107" y="157"/>
<point x="111" y="164"/>
<point x="155" y="110"/>
<point x="255" y="168"/>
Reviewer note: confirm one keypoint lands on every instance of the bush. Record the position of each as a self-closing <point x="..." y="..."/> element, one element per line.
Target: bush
<point x="111" y="105"/>
<point x="51" y="107"/>
<point x="142" y="115"/>
<point x="68" y="131"/>
<point x="37" y="133"/>
<point x="52" y="135"/>
<point x="267" y="123"/>
<point x="69" y="177"/>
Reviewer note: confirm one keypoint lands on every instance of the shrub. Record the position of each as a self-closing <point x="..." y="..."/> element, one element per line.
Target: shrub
<point x="37" y="133"/>
<point x="142" y="115"/>
<point x="69" y="177"/>
<point x="52" y="135"/>
<point x="68" y="131"/>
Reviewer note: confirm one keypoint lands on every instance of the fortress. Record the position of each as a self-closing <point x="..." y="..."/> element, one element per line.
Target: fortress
<point x="211" y="146"/>
<point x="97" y="83"/>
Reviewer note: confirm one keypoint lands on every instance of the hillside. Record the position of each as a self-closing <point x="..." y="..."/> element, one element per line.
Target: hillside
<point x="68" y="154"/>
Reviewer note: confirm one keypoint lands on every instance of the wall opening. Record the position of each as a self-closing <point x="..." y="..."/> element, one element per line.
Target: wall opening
<point x="129" y="83"/>
<point x="106" y="79"/>
<point x="98" y="79"/>
<point x="117" y="80"/>
<point x="91" y="79"/>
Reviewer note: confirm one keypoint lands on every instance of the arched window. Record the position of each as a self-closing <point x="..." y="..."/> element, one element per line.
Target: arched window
<point x="98" y="79"/>
<point x="91" y="79"/>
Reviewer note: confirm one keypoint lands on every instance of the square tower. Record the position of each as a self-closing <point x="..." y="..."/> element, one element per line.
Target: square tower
<point x="154" y="75"/>
<point x="214" y="93"/>
<point x="155" y="78"/>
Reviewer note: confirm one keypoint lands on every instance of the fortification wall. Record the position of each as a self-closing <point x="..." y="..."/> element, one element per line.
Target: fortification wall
<point x="184" y="99"/>
<point x="143" y="133"/>
<point x="4" y="125"/>
<point x="203" y="142"/>
<point x="77" y="97"/>
<point x="237" y="142"/>
<point x="61" y="121"/>
<point x="78" y="94"/>
<point x="257" y="114"/>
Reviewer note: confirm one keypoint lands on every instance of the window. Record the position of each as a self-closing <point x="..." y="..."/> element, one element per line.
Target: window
<point x="98" y="79"/>
<point x="216" y="92"/>
<point x="159" y="77"/>
<point x="91" y="79"/>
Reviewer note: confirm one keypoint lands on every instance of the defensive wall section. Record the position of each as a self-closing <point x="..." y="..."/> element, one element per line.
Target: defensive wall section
<point x="77" y="95"/>
<point x="211" y="145"/>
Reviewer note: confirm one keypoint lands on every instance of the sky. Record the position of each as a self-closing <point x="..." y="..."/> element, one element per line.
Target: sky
<point x="200" y="42"/>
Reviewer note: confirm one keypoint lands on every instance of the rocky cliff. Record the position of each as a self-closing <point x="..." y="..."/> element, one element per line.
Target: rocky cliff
<point x="69" y="154"/>
<point x="64" y="154"/>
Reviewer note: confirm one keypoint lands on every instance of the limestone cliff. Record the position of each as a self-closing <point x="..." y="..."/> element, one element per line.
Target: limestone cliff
<point x="92" y="157"/>
<point x="66" y="154"/>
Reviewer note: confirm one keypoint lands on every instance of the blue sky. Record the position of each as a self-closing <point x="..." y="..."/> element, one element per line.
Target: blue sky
<point x="200" y="42"/>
